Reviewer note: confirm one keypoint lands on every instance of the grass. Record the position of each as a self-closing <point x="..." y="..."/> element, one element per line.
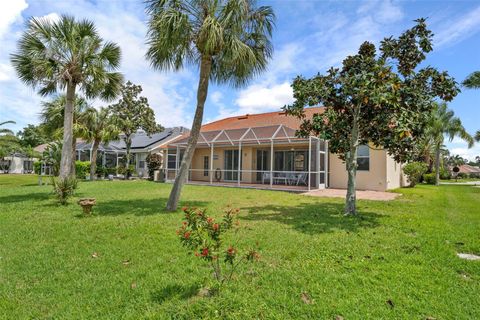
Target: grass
<point x="397" y="261"/>
<point x="463" y="180"/>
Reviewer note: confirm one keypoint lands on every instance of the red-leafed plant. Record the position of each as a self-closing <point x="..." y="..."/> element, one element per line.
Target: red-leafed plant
<point x="203" y="236"/>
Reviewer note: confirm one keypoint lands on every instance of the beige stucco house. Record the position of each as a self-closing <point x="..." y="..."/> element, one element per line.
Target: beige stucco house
<point x="262" y="151"/>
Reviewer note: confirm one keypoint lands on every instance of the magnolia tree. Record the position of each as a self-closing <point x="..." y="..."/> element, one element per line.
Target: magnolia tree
<point x="131" y="113"/>
<point x="381" y="99"/>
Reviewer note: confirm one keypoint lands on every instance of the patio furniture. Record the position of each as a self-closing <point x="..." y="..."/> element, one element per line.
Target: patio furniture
<point x="280" y="178"/>
<point x="265" y="176"/>
<point x="301" y="178"/>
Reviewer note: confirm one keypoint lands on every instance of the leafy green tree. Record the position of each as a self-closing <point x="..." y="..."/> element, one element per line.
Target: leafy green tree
<point x="97" y="128"/>
<point x="376" y="99"/>
<point x="52" y="156"/>
<point x="443" y="122"/>
<point x="8" y="145"/>
<point x="32" y="136"/>
<point x="131" y="114"/>
<point x="472" y="81"/>
<point x="4" y="131"/>
<point x="67" y="55"/>
<point x="230" y="41"/>
<point x="52" y="118"/>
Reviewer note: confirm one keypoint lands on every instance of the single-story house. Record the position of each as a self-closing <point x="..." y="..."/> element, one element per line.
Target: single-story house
<point x="468" y="169"/>
<point x="112" y="154"/>
<point x="262" y="151"/>
<point x="17" y="163"/>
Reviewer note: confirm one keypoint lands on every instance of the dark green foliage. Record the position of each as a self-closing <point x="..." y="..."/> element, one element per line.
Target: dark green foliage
<point x="154" y="161"/>
<point x="64" y="188"/>
<point x="82" y="169"/>
<point x="32" y="136"/>
<point x="429" y="178"/>
<point x="414" y="172"/>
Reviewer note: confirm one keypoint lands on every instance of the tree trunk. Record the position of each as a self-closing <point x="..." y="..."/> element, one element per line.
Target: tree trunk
<point x="202" y="91"/>
<point x="93" y="164"/>
<point x="351" y="165"/>
<point x="66" y="160"/>
<point x="74" y="155"/>
<point x="437" y="165"/>
<point x="128" y="144"/>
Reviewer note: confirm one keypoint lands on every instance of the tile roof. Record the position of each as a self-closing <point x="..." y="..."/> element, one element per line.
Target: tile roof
<point x="268" y="119"/>
<point x="260" y="120"/>
<point x="465" y="168"/>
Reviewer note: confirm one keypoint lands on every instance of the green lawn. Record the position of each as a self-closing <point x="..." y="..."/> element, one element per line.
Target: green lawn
<point x="402" y="251"/>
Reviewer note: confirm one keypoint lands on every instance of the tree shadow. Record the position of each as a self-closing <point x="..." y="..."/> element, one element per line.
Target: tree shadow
<point x="140" y="207"/>
<point x="173" y="291"/>
<point x="40" y="196"/>
<point x="314" y="218"/>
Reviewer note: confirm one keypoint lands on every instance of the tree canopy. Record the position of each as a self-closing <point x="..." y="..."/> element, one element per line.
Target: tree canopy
<point x="378" y="98"/>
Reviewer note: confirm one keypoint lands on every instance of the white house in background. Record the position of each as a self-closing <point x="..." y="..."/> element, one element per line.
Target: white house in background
<point x="17" y="163"/>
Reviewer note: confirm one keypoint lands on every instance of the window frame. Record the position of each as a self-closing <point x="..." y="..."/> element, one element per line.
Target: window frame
<point x="206" y="165"/>
<point x="363" y="157"/>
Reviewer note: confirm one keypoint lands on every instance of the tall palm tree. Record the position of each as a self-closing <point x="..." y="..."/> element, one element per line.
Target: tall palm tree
<point x="477" y="136"/>
<point x="472" y="81"/>
<point x="67" y="55"/>
<point x="230" y="41"/>
<point x="4" y="131"/>
<point x="98" y="128"/>
<point x="443" y="122"/>
<point x="52" y="117"/>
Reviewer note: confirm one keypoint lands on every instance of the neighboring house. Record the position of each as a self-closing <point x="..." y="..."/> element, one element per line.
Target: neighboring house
<point x="468" y="169"/>
<point x="237" y="151"/>
<point x="17" y="163"/>
<point x="113" y="154"/>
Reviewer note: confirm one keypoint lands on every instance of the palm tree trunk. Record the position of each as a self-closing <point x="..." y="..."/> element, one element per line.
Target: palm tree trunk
<point x="66" y="160"/>
<point x="74" y="155"/>
<point x="128" y="143"/>
<point x="93" y="164"/>
<point x="437" y="165"/>
<point x="351" y="165"/>
<point x="202" y="91"/>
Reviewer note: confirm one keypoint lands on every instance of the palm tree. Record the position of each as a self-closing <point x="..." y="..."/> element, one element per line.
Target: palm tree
<point x="52" y="117"/>
<point x="443" y="122"/>
<point x="230" y="41"/>
<point x="477" y="136"/>
<point x="67" y="55"/>
<point x="4" y="131"/>
<point x="472" y="81"/>
<point x="98" y="128"/>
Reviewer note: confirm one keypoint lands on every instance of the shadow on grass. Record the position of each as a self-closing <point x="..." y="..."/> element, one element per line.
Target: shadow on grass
<point x="140" y="207"/>
<point x="40" y="196"/>
<point x="174" y="291"/>
<point x="313" y="218"/>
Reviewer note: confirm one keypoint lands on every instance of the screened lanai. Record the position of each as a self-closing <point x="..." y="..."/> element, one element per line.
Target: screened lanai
<point x="270" y="157"/>
<point x="108" y="156"/>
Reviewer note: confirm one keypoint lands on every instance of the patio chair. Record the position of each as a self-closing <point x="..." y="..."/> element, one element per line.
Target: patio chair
<point x="302" y="178"/>
<point x="266" y="176"/>
<point x="291" y="178"/>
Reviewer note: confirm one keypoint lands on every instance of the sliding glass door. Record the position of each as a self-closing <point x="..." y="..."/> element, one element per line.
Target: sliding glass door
<point x="291" y="160"/>
<point x="231" y="165"/>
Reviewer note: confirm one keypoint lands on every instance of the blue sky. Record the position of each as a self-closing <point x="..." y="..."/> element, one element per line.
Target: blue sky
<point x="310" y="37"/>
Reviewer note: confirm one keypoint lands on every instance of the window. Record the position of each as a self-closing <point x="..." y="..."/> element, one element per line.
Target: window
<point x="27" y="166"/>
<point x="363" y="158"/>
<point x="205" y="166"/>
<point x="141" y="164"/>
<point x="172" y="159"/>
<point x="291" y="161"/>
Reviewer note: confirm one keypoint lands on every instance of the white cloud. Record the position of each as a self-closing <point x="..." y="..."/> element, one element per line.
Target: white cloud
<point x="385" y="11"/>
<point x="258" y="98"/>
<point x="462" y="27"/>
<point x="10" y="12"/>
<point x="469" y="154"/>
<point x="51" y="17"/>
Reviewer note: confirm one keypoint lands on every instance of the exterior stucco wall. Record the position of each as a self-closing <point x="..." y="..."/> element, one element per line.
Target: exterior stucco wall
<point x="373" y="179"/>
<point x="394" y="173"/>
<point x="16" y="164"/>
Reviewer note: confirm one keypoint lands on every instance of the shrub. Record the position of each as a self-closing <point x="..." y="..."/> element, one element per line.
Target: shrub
<point x="475" y="175"/>
<point x="100" y="171"/>
<point x="131" y="170"/>
<point x="111" y="170"/>
<point x="444" y="174"/>
<point x="82" y="168"/>
<point x="63" y="188"/>
<point x="429" y="178"/>
<point x="203" y="237"/>
<point x="414" y="172"/>
<point x="37" y="167"/>
<point x="154" y="161"/>
<point x="462" y="175"/>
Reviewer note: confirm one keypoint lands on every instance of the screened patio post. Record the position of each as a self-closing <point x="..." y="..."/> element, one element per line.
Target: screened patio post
<point x="326" y="164"/>
<point x="318" y="164"/>
<point x="211" y="163"/>
<point x="309" y="160"/>
<point x="239" y="170"/>
<point x="117" y="158"/>
<point x="176" y="161"/>
<point x="271" y="164"/>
